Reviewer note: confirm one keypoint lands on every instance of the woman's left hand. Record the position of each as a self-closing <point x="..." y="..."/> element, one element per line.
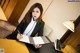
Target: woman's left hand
<point x="38" y="46"/>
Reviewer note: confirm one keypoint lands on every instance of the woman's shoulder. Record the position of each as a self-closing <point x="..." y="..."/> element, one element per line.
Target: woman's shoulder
<point x="41" y="21"/>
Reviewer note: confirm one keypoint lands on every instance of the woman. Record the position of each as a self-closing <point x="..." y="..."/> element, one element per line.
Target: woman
<point x="31" y="25"/>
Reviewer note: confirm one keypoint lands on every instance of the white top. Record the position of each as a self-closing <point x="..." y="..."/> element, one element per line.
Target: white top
<point x="29" y="29"/>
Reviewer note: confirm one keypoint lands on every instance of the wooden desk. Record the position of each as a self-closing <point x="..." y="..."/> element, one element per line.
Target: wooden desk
<point x="69" y="49"/>
<point x="13" y="46"/>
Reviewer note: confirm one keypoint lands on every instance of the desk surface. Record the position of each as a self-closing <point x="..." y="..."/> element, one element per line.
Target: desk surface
<point x="13" y="46"/>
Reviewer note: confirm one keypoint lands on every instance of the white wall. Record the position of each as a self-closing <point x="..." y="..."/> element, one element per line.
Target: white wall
<point x="58" y="12"/>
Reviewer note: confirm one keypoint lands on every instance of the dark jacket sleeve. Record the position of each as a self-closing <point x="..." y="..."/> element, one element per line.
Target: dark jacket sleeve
<point x="40" y="32"/>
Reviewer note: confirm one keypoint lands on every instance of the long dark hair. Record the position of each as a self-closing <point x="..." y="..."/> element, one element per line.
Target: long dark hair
<point x="28" y="15"/>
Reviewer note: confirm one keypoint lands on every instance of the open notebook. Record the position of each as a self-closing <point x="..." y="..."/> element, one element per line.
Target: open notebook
<point x="35" y="40"/>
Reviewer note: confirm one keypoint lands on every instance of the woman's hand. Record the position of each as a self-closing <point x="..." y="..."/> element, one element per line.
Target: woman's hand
<point x="19" y="36"/>
<point x="38" y="46"/>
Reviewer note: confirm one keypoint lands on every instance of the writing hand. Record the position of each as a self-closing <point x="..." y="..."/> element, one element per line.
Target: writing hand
<point x="19" y="36"/>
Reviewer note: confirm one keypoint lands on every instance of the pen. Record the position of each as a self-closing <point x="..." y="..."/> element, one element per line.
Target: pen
<point x="19" y="32"/>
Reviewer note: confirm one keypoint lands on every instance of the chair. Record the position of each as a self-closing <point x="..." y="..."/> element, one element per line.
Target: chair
<point x="47" y="30"/>
<point x="6" y="28"/>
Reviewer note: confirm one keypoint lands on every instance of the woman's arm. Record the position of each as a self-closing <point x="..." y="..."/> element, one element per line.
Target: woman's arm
<point x="40" y="32"/>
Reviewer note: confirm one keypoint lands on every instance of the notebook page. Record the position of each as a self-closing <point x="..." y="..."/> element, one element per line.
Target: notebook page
<point x="38" y="40"/>
<point x="25" y="39"/>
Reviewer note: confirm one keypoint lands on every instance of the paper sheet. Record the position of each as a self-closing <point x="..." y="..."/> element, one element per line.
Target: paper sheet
<point x="25" y="39"/>
<point x="38" y="40"/>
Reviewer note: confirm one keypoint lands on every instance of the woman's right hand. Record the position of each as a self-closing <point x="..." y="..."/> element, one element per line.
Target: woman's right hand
<point x="19" y="36"/>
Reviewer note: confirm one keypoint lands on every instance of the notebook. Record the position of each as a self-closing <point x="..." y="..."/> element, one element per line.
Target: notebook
<point x="35" y="40"/>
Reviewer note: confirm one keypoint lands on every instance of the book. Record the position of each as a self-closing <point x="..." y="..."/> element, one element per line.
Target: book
<point x="35" y="40"/>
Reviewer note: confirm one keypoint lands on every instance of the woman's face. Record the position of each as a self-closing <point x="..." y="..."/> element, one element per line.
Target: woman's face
<point x="36" y="13"/>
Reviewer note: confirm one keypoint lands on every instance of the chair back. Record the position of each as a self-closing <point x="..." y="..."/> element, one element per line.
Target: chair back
<point x="47" y="30"/>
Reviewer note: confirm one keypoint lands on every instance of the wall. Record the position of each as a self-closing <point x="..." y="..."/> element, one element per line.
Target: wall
<point x="2" y="15"/>
<point x="58" y="12"/>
